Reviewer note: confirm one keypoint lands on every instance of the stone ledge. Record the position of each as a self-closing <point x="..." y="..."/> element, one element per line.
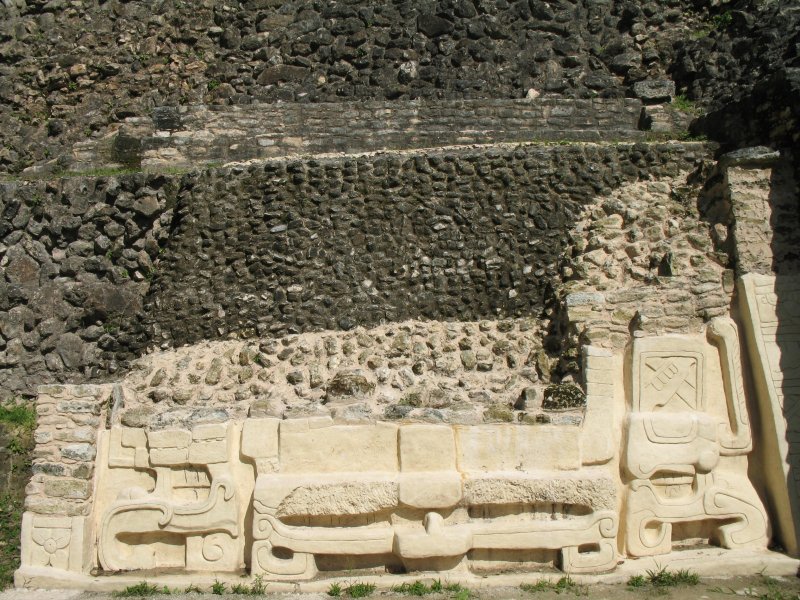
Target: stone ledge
<point x="706" y="562"/>
<point x="197" y="135"/>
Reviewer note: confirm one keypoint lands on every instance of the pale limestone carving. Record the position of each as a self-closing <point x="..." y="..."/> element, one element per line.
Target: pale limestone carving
<point x="57" y="542"/>
<point x="449" y="476"/>
<point x="190" y="518"/>
<point x="685" y="435"/>
<point x="289" y="498"/>
<point x="771" y="315"/>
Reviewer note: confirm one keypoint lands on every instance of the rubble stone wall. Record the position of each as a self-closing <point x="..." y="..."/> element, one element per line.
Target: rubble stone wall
<point x="290" y="246"/>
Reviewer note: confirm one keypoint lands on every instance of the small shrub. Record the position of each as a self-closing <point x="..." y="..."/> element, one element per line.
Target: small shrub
<point x="218" y="588"/>
<point x="240" y="588"/>
<point x="335" y="590"/>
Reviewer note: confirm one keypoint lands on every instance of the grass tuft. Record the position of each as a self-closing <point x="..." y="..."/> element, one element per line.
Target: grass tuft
<point x="140" y="589"/>
<point x="360" y="590"/>
<point x="664" y="578"/>
<point x="18" y="415"/>
<point x="335" y="590"/>
<point x="564" y="585"/>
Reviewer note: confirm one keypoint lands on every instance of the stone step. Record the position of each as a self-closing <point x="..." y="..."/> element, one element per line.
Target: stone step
<point x="200" y="135"/>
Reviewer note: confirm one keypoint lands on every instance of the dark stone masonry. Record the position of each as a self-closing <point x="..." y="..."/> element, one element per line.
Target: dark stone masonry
<point x="99" y="269"/>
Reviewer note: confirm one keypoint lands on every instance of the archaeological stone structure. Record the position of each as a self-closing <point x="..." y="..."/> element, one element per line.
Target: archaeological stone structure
<point x="304" y="292"/>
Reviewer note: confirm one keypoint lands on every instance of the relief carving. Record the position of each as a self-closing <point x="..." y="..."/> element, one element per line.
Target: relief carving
<point x="291" y="499"/>
<point x="684" y="435"/>
<point x="190" y="518"/>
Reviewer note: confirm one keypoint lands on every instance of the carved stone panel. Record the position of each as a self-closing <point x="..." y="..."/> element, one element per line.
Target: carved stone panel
<point x="686" y="435"/>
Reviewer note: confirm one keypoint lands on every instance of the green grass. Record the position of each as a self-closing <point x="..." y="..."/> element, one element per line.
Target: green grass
<point x="257" y="588"/>
<point x="335" y="590"/>
<point x="17" y="423"/>
<point x="10" y="523"/>
<point x="18" y="415"/>
<point x="218" y="588"/>
<point x="419" y="588"/>
<point x="683" y="103"/>
<point x="565" y="585"/>
<point x="663" y="578"/>
<point x="140" y="589"/>
<point x="360" y="590"/>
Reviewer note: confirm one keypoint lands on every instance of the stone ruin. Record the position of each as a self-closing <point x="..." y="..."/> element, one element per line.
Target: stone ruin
<point x="448" y="447"/>
<point x="305" y="292"/>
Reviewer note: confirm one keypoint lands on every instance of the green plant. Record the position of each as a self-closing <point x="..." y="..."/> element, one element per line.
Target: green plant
<point x="664" y="578"/>
<point x="140" y="589"/>
<point x="22" y="416"/>
<point x="335" y="590"/>
<point x="240" y="588"/>
<point x="567" y="584"/>
<point x="258" y="587"/>
<point x="360" y="590"/>
<point x="462" y="594"/>
<point x="722" y="20"/>
<point x="564" y="585"/>
<point x="212" y="85"/>
<point x="192" y="589"/>
<point x="636" y="581"/>
<point x="10" y="524"/>
<point x="418" y="588"/>
<point x="681" y="102"/>
<point x="217" y="587"/>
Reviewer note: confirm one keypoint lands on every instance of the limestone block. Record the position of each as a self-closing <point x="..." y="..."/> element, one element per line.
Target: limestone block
<point x="169" y="457"/>
<point x="208" y="452"/>
<point x="260" y="438"/>
<point x="169" y="438"/>
<point x="55" y="541"/>
<point x="211" y="431"/>
<point x="427" y="448"/>
<point x="326" y="494"/>
<point x="591" y="488"/>
<point x="132" y="438"/>
<point x="430" y="489"/>
<point x="355" y="448"/>
<point x="600" y="431"/>
<point x="509" y="448"/>
<point x="771" y="316"/>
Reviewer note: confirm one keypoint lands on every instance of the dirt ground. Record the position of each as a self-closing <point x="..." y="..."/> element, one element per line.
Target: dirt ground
<point x="762" y="588"/>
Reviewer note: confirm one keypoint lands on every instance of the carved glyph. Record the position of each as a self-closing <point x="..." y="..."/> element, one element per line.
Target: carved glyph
<point x="189" y="518"/>
<point x="687" y="435"/>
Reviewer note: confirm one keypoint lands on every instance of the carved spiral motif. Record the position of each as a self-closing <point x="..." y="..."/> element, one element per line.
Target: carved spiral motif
<point x="213" y="549"/>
